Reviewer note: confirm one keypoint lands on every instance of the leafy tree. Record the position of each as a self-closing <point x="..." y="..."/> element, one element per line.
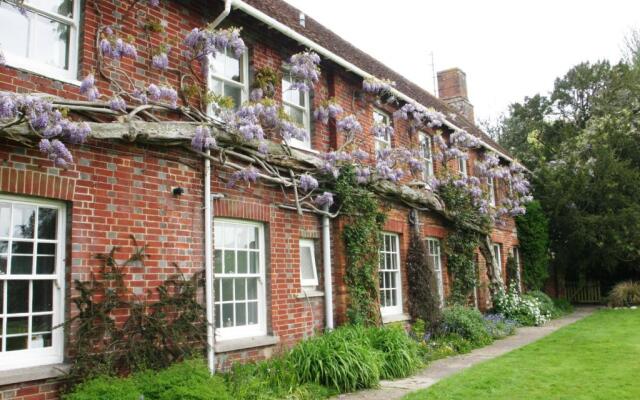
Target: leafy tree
<point x="533" y="233"/>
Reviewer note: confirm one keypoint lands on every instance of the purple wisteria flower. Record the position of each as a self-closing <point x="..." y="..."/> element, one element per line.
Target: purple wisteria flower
<point x="154" y="3"/>
<point x="377" y="86"/>
<point x="324" y="200"/>
<point x="202" y="140"/>
<point x="249" y="175"/>
<point x="363" y="175"/>
<point x="349" y="125"/>
<point x="89" y="89"/>
<point x="308" y="183"/>
<point x="114" y="47"/>
<point x="117" y="104"/>
<point x="256" y="94"/>
<point x="56" y="151"/>
<point x="160" y="61"/>
<point x="304" y="69"/>
<point x="382" y="130"/>
<point x="203" y="42"/>
<point x="154" y="92"/>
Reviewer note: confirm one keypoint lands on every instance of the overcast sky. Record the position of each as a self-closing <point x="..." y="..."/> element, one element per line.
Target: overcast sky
<point x="508" y="49"/>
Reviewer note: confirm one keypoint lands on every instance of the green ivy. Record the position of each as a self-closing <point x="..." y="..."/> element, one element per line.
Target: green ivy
<point x="462" y="241"/>
<point x="361" y="236"/>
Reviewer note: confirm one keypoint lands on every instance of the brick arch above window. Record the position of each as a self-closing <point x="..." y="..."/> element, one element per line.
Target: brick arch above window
<point x="36" y="183"/>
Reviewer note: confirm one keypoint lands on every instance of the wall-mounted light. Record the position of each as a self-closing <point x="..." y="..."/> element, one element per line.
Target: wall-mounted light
<point x="178" y="191"/>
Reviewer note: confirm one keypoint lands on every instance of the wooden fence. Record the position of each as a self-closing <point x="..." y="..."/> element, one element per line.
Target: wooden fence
<point x="583" y="293"/>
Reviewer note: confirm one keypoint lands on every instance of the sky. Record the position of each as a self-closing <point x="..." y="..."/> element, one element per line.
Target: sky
<point x="508" y="49"/>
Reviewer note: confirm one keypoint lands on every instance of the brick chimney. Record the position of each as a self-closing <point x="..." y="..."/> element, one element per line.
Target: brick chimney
<point x="452" y="89"/>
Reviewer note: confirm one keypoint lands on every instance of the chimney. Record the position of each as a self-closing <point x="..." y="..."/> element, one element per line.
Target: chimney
<point x="452" y="89"/>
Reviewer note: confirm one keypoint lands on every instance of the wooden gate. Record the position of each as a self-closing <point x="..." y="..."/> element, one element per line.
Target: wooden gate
<point x="583" y="293"/>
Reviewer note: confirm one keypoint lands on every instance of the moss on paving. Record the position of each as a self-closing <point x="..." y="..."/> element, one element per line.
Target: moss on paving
<point x="595" y="358"/>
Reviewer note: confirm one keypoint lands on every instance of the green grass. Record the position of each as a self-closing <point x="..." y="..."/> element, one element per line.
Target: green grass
<point x="595" y="358"/>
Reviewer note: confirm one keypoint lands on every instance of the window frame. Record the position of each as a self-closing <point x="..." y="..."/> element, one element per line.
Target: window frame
<point x="437" y="266"/>
<point x="306" y="113"/>
<point x="381" y="143"/>
<point x="45" y="355"/>
<point x="398" y="308"/>
<point x="462" y="167"/>
<point x="515" y="251"/>
<point x="69" y="75"/>
<point x="491" y="190"/>
<point x="309" y="243"/>
<point x="427" y="161"/>
<point x="243" y="85"/>
<point x="259" y="329"/>
<point x="498" y="256"/>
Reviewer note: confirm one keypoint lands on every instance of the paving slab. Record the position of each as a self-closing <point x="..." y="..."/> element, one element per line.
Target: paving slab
<point x="446" y="367"/>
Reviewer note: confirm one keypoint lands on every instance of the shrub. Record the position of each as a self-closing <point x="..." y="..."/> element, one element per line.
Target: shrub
<point x="466" y="322"/>
<point x="625" y="294"/>
<point x="188" y="380"/>
<point x="498" y="326"/>
<point x="563" y="306"/>
<point x="105" y="388"/>
<point x="342" y="359"/>
<point x="525" y="309"/>
<point x="546" y="303"/>
<point x="271" y="380"/>
<point x="400" y="356"/>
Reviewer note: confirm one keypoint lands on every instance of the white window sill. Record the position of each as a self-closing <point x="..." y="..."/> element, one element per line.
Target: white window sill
<point x="33" y="373"/>
<point x="226" y="346"/>
<point x="302" y="148"/>
<point x="387" y="319"/>
<point x="310" y="292"/>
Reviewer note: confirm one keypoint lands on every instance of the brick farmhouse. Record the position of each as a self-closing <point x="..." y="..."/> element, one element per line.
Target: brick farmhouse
<point x="117" y="189"/>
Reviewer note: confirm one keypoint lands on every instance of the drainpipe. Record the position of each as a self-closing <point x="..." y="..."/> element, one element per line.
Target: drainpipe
<point x="208" y="265"/>
<point x="208" y="235"/>
<point x="223" y="15"/>
<point x="328" y="276"/>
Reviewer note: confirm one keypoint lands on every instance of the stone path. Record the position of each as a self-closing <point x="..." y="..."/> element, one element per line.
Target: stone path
<point x="446" y="367"/>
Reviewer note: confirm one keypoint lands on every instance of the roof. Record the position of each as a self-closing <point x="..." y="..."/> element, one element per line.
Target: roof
<point x="289" y="16"/>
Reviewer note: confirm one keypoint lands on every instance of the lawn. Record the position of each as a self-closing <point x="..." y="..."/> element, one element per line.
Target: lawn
<point x="595" y="358"/>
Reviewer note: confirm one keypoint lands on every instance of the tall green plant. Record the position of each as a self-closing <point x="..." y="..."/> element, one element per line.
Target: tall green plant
<point x="361" y="236"/>
<point x="533" y="234"/>
<point x="424" y="301"/>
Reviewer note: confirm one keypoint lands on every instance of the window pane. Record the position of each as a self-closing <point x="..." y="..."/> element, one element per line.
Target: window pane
<point x="45" y="265"/>
<point x="242" y="261"/>
<point x="41" y="340"/>
<point x="242" y="238"/>
<point x="227" y="289"/>
<point x="252" y="289"/>
<point x="46" y="248"/>
<point x="16" y="343"/>
<point x="22" y="248"/>
<point x="52" y="42"/>
<point x="229" y="237"/>
<point x="227" y="315"/>
<point x="296" y="114"/>
<point x="218" y="261"/>
<point x="253" y="313"/>
<point x="218" y="315"/>
<point x="241" y="314"/>
<point x="17" y="325"/>
<point x="41" y="323"/>
<point x="229" y="262"/>
<point x="17" y="296"/>
<point x="21" y="264"/>
<point x="240" y="289"/>
<point x="253" y="238"/>
<point x="62" y="7"/>
<point x="306" y="263"/>
<point x="254" y="267"/>
<point x="235" y="93"/>
<point x="217" y="64"/>
<point x="23" y="220"/>
<point x="232" y="67"/>
<point x="5" y="208"/>
<point x="42" y="296"/>
<point x="47" y="224"/>
<point x="3" y="265"/>
<point x="15" y="26"/>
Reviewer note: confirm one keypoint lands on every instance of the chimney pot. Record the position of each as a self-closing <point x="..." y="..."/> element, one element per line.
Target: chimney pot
<point x="452" y="89"/>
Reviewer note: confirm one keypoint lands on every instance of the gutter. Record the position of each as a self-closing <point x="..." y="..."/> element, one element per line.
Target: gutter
<point x="327" y="274"/>
<point x="282" y="28"/>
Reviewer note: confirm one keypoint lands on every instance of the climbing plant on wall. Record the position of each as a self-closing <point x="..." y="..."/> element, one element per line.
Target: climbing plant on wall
<point x="117" y="332"/>
<point x="364" y="219"/>
<point x="424" y="301"/>
<point x="462" y="241"/>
